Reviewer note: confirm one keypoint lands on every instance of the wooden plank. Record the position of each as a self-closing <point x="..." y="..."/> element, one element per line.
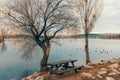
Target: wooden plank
<point x="61" y="62"/>
<point x="70" y="69"/>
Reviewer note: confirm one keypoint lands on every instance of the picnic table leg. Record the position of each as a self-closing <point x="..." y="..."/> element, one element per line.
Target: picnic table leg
<point x="65" y="65"/>
<point x="52" y="70"/>
<point x="56" y="66"/>
<point x="51" y="67"/>
<point x="73" y="63"/>
<point x="76" y="70"/>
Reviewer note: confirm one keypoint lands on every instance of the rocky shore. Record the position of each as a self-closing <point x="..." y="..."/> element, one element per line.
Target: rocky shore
<point x="104" y="70"/>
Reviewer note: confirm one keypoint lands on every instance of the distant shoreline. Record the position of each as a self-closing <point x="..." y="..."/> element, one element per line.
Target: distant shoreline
<point x="93" y="36"/>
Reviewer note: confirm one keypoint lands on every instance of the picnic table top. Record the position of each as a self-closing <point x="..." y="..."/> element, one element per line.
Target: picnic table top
<point x="62" y="62"/>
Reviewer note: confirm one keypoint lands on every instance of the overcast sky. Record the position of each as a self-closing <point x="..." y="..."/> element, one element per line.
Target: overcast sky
<point x="109" y="21"/>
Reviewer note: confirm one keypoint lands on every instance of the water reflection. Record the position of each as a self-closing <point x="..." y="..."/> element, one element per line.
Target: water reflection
<point x="3" y="46"/>
<point x="27" y="47"/>
<point x="1" y="40"/>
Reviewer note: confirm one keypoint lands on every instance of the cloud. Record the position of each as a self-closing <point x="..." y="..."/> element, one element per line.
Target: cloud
<point x="109" y="20"/>
<point x="110" y="7"/>
<point x="108" y="1"/>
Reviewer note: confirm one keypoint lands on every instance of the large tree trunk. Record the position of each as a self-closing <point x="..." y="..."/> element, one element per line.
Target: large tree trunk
<point x="87" y="47"/>
<point x="45" y="45"/>
<point x="45" y="57"/>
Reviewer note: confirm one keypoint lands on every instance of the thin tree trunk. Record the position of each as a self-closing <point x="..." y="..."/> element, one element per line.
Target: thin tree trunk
<point x="86" y="34"/>
<point x="46" y="50"/>
<point x="87" y="48"/>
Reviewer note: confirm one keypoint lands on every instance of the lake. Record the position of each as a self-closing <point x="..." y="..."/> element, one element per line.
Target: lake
<point x="12" y="65"/>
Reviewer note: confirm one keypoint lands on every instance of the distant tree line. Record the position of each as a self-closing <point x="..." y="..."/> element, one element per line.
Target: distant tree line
<point x="110" y="36"/>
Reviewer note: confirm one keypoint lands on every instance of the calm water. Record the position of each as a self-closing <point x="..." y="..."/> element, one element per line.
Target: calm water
<point x="13" y="66"/>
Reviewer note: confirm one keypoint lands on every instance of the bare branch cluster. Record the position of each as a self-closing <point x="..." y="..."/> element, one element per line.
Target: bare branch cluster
<point x="89" y="12"/>
<point x="40" y="17"/>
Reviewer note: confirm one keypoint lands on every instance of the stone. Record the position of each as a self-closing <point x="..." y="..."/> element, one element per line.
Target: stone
<point x="115" y="71"/>
<point x="110" y="78"/>
<point x="29" y="77"/>
<point x="99" y="76"/>
<point x="93" y="63"/>
<point x="78" y="79"/>
<point x="112" y="74"/>
<point x="40" y="78"/>
<point x="36" y="74"/>
<point x="104" y="61"/>
<point x="100" y="63"/>
<point x="119" y="69"/>
<point x="102" y="72"/>
<point x="104" y="69"/>
<point x="115" y="65"/>
<point x="114" y="60"/>
<point x="88" y="75"/>
<point x="87" y="66"/>
<point x="23" y="79"/>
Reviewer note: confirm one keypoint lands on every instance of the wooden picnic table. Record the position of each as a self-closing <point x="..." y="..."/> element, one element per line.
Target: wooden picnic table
<point x="69" y="63"/>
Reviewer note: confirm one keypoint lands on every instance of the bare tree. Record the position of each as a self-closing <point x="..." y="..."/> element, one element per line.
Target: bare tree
<point x="42" y="19"/>
<point x="3" y="29"/>
<point x="3" y="32"/>
<point x="88" y="11"/>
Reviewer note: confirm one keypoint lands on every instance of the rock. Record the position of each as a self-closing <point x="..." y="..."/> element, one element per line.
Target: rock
<point x="29" y="77"/>
<point x="23" y="79"/>
<point x="104" y="69"/>
<point x="78" y="79"/>
<point x="102" y="72"/>
<point x="36" y="74"/>
<point x="87" y="66"/>
<point x="112" y="74"/>
<point x="40" y="78"/>
<point x="88" y="75"/>
<point x="114" y="65"/>
<point x="99" y="76"/>
<point x="100" y="63"/>
<point x="93" y="63"/>
<point x="119" y="69"/>
<point x="115" y="71"/>
<point x="114" y="60"/>
<point x="109" y="78"/>
<point x="104" y="61"/>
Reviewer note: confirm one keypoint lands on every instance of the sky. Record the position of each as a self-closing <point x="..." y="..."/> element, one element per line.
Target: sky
<point x="109" y="21"/>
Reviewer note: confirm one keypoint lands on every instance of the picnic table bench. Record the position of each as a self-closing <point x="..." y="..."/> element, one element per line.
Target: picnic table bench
<point x="67" y="65"/>
<point x="67" y="70"/>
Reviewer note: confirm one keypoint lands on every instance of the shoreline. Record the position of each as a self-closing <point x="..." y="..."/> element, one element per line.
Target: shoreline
<point x="103" y="70"/>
